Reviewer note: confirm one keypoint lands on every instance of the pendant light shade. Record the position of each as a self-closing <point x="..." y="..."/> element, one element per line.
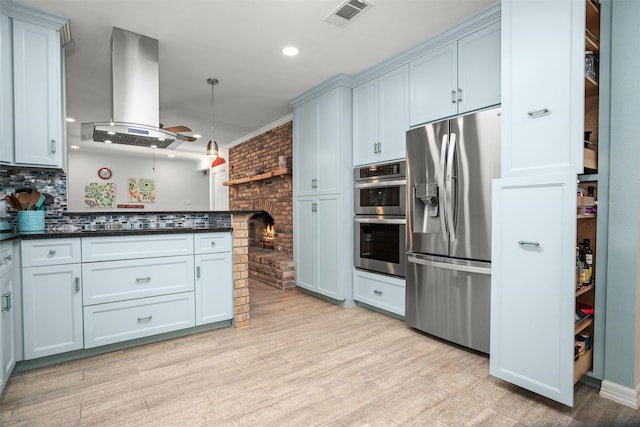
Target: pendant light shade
<point x="212" y="145"/>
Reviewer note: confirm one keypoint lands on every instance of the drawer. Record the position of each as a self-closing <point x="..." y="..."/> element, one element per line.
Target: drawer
<point x="207" y="243"/>
<point x="6" y="257"/>
<point x="111" y="248"/>
<point x="50" y="252"/>
<point x="127" y="320"/>
<point x="112" y="281"/>
<point x="384" y="292"/>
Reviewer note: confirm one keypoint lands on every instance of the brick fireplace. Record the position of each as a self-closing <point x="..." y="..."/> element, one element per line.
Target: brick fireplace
<point x="270" y="254"/>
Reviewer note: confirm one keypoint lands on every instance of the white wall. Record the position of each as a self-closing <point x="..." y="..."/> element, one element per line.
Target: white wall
<point x="179" y="185"/>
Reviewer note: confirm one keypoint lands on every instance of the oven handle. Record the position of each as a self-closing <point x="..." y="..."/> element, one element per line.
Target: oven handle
<point x="361" y="220"/>
<point x="393" y="183"/>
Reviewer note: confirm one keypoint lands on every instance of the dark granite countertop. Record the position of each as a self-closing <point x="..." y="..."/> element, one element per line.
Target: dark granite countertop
<point x="88" y="233"/>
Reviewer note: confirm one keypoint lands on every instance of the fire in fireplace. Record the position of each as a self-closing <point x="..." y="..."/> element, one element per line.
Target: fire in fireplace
<point x="269" y="236"/>
<point x="262" y="232"/>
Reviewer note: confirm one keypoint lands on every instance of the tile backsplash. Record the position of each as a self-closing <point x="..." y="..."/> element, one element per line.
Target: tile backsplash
<point x="54" y="182"/>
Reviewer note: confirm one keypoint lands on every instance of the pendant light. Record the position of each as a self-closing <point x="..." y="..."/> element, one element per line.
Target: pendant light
<point x="212" y="145"/>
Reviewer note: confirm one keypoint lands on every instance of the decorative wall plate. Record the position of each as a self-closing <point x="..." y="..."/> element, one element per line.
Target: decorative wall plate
<point x="104" y="173"/>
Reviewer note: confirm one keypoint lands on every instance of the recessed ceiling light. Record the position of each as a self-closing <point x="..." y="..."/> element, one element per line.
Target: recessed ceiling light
<point x="107" y="141"/>
<point x="197" y="135"/>
<point x="75" y="147"/>
<point x="71" y="119"/>
<point x="290" y="51"/>
<point x="171" y="155"/>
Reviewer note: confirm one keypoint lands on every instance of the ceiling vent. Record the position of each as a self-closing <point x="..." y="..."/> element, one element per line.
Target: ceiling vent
<point x="347" y="11"/>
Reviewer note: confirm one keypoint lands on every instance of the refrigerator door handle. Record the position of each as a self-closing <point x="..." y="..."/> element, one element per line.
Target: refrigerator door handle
<point x="417" y="259"/>
<point x="442" y="184"/>
<point x="451" y="188"/>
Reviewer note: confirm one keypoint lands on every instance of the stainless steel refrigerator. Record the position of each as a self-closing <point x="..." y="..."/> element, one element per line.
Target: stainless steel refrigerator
<point x="450" y="165"/>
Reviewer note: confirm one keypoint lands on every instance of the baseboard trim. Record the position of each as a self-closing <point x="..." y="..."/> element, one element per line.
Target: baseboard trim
<point x="618" y="393"/>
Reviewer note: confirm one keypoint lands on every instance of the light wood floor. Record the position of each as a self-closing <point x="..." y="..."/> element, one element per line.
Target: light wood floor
<point x="302" y="362"/>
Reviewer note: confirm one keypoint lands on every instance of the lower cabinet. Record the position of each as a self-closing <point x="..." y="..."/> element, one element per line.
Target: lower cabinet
<point x="7" y="316"/>
<point x="126" y="320"/>
<point x="52" y="309"/>
<point x="128" y="287"/>
<point x="377" y="290"/>
<point x="214" y="296"/>
<point x="533" y="284"/>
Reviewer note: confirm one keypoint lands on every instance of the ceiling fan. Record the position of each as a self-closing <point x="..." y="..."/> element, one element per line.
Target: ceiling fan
<point x="177" y="130"/>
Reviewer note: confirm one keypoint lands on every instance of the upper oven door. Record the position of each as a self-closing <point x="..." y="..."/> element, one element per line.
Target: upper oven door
<point x="381" y="198"/>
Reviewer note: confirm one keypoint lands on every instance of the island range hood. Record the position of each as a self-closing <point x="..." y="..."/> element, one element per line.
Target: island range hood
<point x="135" y="96"/>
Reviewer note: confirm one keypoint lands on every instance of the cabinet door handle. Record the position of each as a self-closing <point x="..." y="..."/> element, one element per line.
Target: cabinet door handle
<point x="377" y="292"/>
<point x="7" y="301"/>
<point x="528" y="243"/>
<point x="145" y="318"/>
<point x="53" y="145"/>
<point x="314" y="207"/>
<point x="453" y="96"/>
<point x="52" y="252"/>
<point x="314" y="183"/>
<point x="8" y="258"/>
<point x="143" y="279"/>
<point x="379" y="147"/>
<point x="534" y="114"/>
<point x="459" y="94"/>
<point x="77" y="283"/>
<point x="375" y="148"/>
<point x="198" y="272"/>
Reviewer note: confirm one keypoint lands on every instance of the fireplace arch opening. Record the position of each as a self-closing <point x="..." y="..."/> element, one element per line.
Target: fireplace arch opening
<point x="262" y="231"/>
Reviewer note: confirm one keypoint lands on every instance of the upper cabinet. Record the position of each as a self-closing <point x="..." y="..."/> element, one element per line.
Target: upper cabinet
<point x="456" y="78"/>
<point x="381" y="117"/>
<point x="37" y="95"/>
<point x="321" y="134"/>
<point x="31" y="89"/>
<point x="542" y="87"/>
<point x="6" y="91"/>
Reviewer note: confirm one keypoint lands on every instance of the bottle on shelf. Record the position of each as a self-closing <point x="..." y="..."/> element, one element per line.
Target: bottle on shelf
<point x="586" y="256"/>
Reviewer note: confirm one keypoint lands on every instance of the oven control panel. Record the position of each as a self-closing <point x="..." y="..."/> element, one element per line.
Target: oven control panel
<point x="380" y="171"/>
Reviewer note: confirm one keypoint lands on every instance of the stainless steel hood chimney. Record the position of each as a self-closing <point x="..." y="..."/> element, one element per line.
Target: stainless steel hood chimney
<point x="135" y="99"/>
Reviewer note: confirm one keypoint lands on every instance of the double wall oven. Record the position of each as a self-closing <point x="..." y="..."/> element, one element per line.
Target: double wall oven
<point x="380" y="218"/>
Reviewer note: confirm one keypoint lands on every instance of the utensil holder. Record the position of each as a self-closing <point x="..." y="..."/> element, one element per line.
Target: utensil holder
<point x="30" y="221"/>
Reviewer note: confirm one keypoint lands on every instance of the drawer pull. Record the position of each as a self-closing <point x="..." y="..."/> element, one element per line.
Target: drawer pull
<point x="539" y="113"/>
<point x="7" y="301"/>
<point x="528" y="243"/>
<point x="145" y="319"/>
<point x="77" y="282"/>
<point x="143" y="279"/>
<point x="8" y="257"/>
<point x="377" y="292"/>
<point x="52" y="252"/>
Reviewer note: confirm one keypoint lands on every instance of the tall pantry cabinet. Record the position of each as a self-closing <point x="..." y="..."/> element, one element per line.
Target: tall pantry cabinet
<point x="535" y="324"/>
<point x="322" y="190"/>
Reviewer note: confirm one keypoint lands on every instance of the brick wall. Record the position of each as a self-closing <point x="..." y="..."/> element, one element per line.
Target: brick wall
<point x="274" y="195"/>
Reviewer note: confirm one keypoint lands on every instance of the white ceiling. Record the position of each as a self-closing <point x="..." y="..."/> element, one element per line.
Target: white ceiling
<point x="238" y="42"/>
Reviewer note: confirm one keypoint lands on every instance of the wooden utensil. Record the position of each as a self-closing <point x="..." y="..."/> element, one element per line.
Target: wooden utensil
<point x="33" y="199"/>
<point x="23" y="199"/>
<point x="11" y="202"/>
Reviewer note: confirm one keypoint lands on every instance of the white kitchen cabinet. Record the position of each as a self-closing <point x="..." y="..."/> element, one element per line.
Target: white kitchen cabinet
<point x="320" y="255"/>
<point x="378" y="290"/>
<point x="321" y="126"/>
<point x="456" y="78"/>
<point x="323" y="206"/>
<point x="6" y="91"/>
<point x="113" y="248"/>
<point x="7" y="314"/>
<point x="52" y="309"/>
<point x="213" y="277"/>
<point x="37" y="102"/>
<point x="533" y="283"/>
<point x="542" y="86"/>
<point x="126" y="320"/>
<point x="381" y="117"/>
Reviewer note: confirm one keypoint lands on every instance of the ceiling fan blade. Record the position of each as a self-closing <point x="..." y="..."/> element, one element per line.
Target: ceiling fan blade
<point x="177" y="129"/>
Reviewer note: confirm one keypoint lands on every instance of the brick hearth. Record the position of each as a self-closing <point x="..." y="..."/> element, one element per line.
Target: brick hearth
<point x="274" y="196"/>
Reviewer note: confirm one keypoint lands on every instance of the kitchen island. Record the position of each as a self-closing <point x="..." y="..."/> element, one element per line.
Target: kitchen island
<point x="95" y="284"/>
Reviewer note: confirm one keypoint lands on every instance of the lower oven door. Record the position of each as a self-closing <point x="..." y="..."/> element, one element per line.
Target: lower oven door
<point x="379" y="244"/>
